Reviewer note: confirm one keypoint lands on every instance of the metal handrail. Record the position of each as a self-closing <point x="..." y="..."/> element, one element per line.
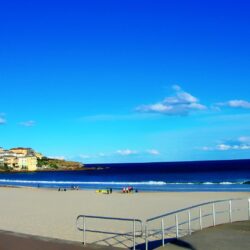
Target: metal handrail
<point x="84" y="230"/>
<point x="144" y="232"/>
<point x="188" y="209"/>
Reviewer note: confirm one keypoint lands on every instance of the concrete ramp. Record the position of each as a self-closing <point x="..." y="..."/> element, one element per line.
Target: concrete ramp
<point x="12" y="241"/>
<point x="231" y="236"/>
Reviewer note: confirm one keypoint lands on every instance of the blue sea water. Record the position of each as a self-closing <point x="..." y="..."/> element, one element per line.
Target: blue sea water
<point x="182" y="176"/>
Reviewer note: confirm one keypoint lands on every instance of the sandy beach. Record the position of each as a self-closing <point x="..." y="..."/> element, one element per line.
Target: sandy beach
<point x="53" y="214"/>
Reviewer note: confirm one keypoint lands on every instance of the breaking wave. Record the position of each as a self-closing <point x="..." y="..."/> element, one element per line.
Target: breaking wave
<point x="82" y="182"/>
<point x="130" y="183"/>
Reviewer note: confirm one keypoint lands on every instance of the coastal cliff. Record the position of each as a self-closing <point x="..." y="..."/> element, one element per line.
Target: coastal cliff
<point x="22" y="159"/>
<point x="56" y="164"/>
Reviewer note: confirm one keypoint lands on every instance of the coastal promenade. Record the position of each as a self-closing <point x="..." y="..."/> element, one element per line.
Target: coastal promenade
<point x="231" y="236"/>
<point x="12" y="241"/>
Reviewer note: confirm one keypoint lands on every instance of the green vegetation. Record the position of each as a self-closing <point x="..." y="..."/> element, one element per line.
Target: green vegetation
<point x="56" y="164"/>
<point x="4" y="168"/>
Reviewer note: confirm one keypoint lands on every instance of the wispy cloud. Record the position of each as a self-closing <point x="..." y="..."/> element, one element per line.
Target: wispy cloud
<point x="126" y="152"/>
<point x="27" y="123"/>
<point x="85" y="156"/>
<point x="225" y="147"/>
<point x="235" y="104"/>
<point x="121" y="152"/>
<point x="181" y="103"/>
<point x="241" y="143"/>
<point x="102" y="154"/>
<point x="2" y="119"/>
<point x="153" y="152"/>
<point x="244" y="139"/>
<point x="93" y="156"/>
<point x="58" y="157"/>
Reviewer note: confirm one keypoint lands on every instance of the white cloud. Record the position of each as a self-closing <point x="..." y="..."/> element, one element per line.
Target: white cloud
<point x="181" y="98"/>
<point x="244" y="139"/>
<point x="205" y="148"/>
<point x="236" y="104"/>
<point x="58" y="157"/>
<point x="28" y="123"/>
<point x="241" y="143"/>
<point x="102" y="154"/>
<point x="176" y="87"/>
<point x="182" y="103"/>
<point x="223" y="147"/>
<point x="83" y="156"/>
<point x="239" y="104"/>
<point x="157" y="108"/>
<point x="226" y="147"/>
<point x="121" y="152"/>
<point x="153" y="152"/>
<point x="126" y="152"/>
<point x="2" y="121"/>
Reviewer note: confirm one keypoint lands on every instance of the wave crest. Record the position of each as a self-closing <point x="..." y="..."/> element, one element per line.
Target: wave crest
<point x="114" y="183"/>
<point x="83" y="182"/>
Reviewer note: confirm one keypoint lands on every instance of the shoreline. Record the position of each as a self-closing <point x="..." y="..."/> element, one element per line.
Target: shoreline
<point x="45" y="170"/>
<point x="119" y="190"/>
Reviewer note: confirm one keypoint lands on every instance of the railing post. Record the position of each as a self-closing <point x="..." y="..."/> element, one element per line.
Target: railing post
<point x="230" y="211"/>
<point x="146" y="236"/>
<point x="84" y="231"/>
<point x="189" y="222"/>
<point x="200" y="219"/>
<point x="177" y="226"/>
<point x="134" y="234"/>
<point x="249" y="209"/>
<point x="214" y="222"/>
<point x="162" y="231"/>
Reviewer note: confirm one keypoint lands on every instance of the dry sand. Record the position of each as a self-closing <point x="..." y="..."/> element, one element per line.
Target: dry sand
<point x="53" y="214"/>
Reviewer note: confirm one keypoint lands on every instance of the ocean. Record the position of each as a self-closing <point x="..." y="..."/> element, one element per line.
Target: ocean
<point x="218" y="176"/>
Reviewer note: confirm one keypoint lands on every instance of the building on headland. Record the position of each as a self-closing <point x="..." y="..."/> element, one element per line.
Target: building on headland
<point x="19" y="159"/>
<point x="23" y="151"/>
<point x="27" y="163"/>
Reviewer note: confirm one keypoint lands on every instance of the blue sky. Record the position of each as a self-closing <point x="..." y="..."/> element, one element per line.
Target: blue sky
<point x="126" y="81"/>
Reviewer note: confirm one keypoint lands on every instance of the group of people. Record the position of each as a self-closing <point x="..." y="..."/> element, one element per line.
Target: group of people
<point x="125" y="190"/>
<point x="129" y="190"/>
<point x="71" y="188"/>
<point x="105" y="191"/>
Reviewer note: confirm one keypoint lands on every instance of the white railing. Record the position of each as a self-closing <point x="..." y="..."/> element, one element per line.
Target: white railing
<point x="203" y="212"/>
<point x="192" y="217"/>
<point x="134" y="233"/>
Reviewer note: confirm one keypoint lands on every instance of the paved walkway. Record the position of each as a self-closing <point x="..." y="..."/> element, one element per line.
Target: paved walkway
<point x="223" y="237"/>
<point x="12" y="241"/>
